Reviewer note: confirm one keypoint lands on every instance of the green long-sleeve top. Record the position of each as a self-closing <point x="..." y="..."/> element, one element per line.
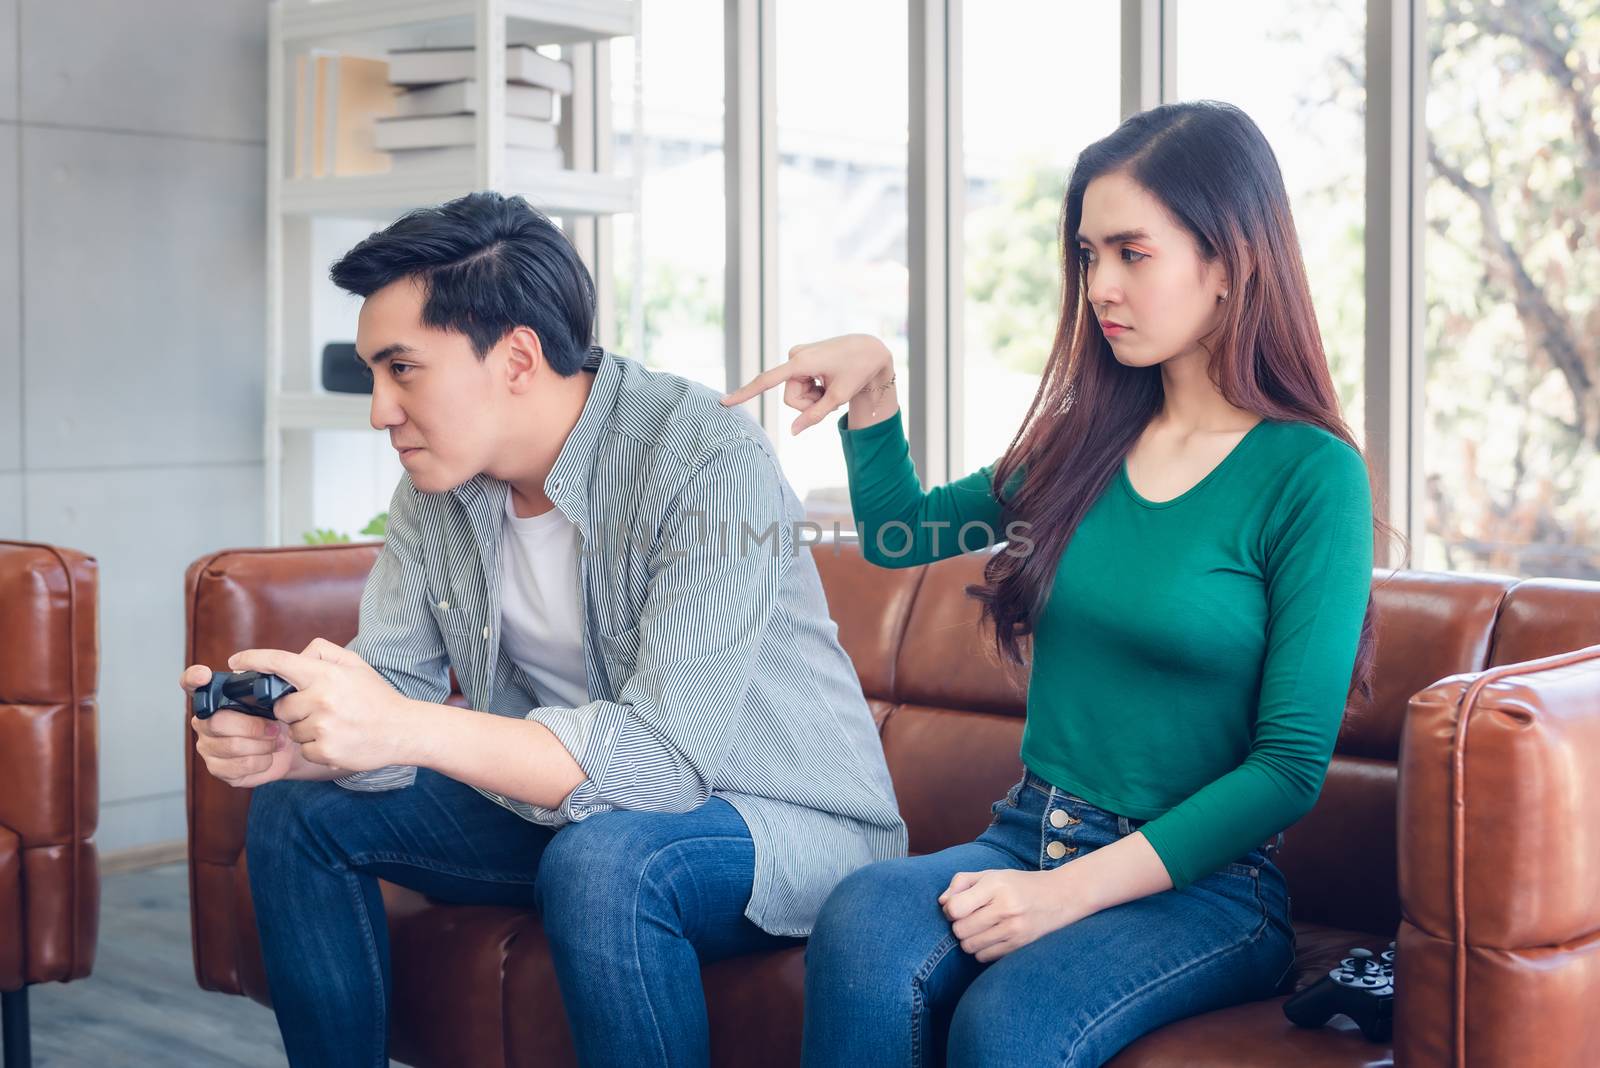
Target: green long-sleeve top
<point x="1191" y="663"/>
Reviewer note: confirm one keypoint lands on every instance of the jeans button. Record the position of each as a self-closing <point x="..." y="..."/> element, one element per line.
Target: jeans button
<point x="1059" y="818"/>
<point x="1056" y="850"/>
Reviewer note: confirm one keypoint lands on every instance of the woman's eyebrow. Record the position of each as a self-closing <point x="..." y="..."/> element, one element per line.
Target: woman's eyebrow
<point x="1120" y="237"/>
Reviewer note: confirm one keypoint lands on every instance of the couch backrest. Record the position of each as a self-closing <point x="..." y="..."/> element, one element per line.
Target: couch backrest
<point x="952" y="719"/>
<point x="1340" y="859"/>
<point x="49" y="777"/>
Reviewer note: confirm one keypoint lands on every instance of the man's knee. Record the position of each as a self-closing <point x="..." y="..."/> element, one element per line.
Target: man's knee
<point x="598" y="867"/>
<point x="289" y="813"/>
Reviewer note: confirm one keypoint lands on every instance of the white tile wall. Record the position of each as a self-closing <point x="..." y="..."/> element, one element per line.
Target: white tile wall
<point x="8" y="59"/>
<point x="132" y="306"/>
<point x="144" y="526"/>
<point x="138" y="820"/>
<point x="10" y="289"/>
<point x="10" y="505"/>
<point x="145" y="286"/>
<point x="197" y="69"/>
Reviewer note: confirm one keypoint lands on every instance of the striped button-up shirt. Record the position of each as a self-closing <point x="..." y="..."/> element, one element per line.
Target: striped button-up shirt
<point x="713" y="665"/>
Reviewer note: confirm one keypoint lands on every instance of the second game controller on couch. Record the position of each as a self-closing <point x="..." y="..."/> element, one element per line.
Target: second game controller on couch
<point x="251" y="692"/>
<point x="1361" y="987"/>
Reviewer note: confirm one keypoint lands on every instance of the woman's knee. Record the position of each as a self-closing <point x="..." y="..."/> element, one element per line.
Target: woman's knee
<point x="1000" y="1019"/>
<point x="1084" y="1019"/>
<point x="857" y="903"/>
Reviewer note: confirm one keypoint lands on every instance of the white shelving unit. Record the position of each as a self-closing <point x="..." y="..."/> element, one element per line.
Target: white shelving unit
<point x="312" y="220"/>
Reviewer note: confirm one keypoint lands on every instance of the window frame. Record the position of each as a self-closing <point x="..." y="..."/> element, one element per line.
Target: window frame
<point x="1395" y="178"/>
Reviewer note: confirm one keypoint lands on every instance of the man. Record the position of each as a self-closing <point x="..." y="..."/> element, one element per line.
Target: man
<point x="668" y="753"/>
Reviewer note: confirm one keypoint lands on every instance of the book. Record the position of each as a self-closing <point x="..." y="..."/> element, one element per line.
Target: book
<point x="318" y="116"/>
<point x="456" y="98"/>
<point x="444" y="131"/>
<point x="356" y="96"/>
<point x="337" y="101"/>
<point x="460" y="158"/>
<point x="301" y="167"/>
<point x="430" y="66"/>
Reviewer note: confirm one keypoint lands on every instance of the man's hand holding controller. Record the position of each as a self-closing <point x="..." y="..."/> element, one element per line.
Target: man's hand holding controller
<point x="319" y="714"/>
<point x="238" y="748"/>
<point x="819" y="377"/>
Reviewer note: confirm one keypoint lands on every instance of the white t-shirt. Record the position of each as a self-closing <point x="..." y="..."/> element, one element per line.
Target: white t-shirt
<point x="541" y="606"/>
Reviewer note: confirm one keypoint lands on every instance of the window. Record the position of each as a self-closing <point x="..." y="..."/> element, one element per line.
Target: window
<point x="1511" y="409"/>
<point x="1304" y="84"/>
<point x="668" y="260"/>
<point x="842" y="112"/>
<point x="1026" y="114"/>
<point x="355" y="470"/>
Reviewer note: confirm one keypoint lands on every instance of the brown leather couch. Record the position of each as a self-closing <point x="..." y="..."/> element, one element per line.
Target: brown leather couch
<point x="49" y="775"/>
<point x="1481" y="803"/>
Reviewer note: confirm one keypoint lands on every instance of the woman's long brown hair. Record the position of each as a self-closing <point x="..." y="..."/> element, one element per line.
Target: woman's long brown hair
<point x="1212" y="169"/>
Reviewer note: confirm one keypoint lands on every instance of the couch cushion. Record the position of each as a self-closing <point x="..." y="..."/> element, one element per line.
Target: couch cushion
<point x="870" y="605"/>
<point x="1258" y="1034"/>
<point x="948" y="768"/>
<point x="1429" y="625"/>
<point x="1340" y="860"/>
<point x="947" y="660"/>
<point x="12" y="938"/>
<point x="484" y="969"/>
<point x="50" y="595"/>
<point x="44" y="748"/>
<point x="1544" y="617"/>
<point x="1255" y="1035"/>
<point x="49" y="779"/>
<point x="448" y="960"/>
<point x="755" y="1006"/>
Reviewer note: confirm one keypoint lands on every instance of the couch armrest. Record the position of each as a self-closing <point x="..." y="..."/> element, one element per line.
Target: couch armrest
<point x="244" y="599"/>
<point x="1499" y="830"/>
<point x="49" y="768"/>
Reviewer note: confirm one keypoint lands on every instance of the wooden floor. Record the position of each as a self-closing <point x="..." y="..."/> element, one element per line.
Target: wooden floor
<point x="141" y="1006"/>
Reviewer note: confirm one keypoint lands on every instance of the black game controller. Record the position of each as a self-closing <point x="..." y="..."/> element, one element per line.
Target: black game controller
<point x="1361" y="987"/>
<point x="251" y="692"/>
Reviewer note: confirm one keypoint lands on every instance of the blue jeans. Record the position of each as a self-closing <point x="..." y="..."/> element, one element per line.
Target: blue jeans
<point x="632" y="903"/>
<point x="888" y="984"/>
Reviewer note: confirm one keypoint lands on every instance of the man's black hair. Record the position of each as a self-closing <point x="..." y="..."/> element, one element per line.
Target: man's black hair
<point x="487" y="264"/>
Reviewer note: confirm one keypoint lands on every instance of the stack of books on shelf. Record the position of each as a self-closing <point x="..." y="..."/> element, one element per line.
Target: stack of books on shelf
<point x="434" y="123"/>
<point x="337" y="102"/>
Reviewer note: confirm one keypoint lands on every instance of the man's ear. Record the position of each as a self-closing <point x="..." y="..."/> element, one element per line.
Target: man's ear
<point x="524" y="356"/>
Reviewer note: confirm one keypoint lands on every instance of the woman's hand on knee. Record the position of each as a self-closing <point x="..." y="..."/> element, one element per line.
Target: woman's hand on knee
<point x="995" y="912"/>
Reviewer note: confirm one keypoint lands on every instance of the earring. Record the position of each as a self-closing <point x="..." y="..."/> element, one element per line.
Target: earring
<point x="1222" y="298"/>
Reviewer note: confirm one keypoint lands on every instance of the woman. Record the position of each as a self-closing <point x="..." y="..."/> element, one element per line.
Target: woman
<point x="1190" y="555"/>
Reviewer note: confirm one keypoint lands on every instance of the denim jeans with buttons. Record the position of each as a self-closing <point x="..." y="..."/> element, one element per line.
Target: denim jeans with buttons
<point x="888" y="984"/>
<point x="632" y="903"/>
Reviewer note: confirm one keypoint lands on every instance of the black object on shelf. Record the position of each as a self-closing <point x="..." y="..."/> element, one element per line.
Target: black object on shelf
<point x="342" y="370"/>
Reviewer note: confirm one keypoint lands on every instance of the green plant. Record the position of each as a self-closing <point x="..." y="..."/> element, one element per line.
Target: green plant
<point x="326" y="536"/>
